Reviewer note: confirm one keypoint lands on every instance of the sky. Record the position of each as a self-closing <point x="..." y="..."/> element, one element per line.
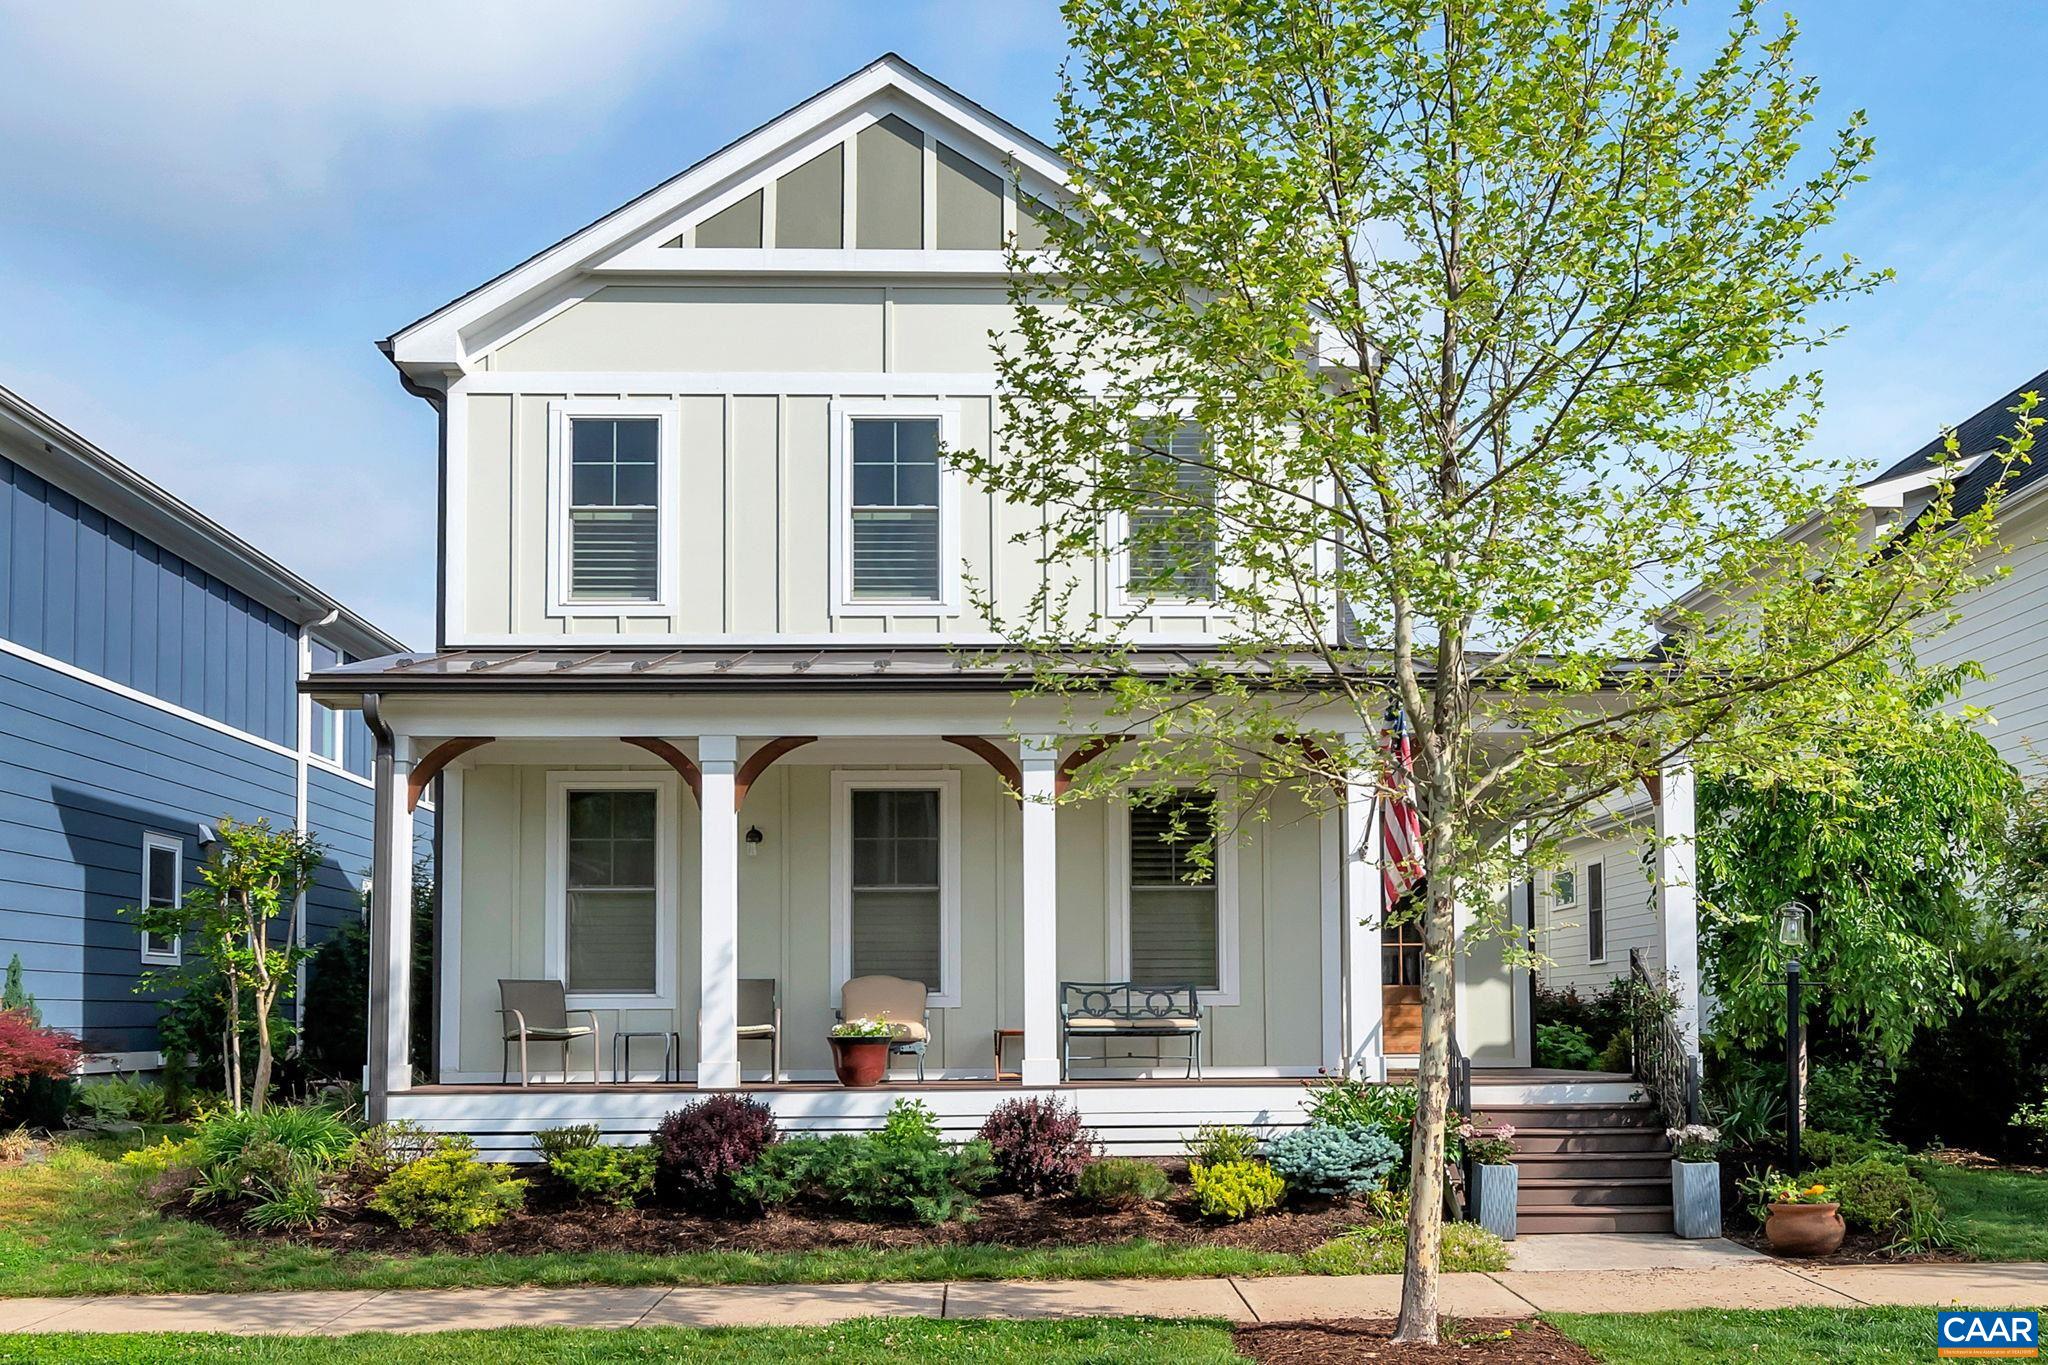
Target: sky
<point x="209" y="214"/>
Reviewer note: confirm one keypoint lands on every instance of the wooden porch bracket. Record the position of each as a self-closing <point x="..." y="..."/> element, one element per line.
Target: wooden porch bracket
<point x="760" y="761"/>
<point x="438" y="757"/>
<point x="992" y="754"/>
<point x="1653" y="783"/>
<point x="674" y="757"/>
<point x="1081" y="758"/>
<point x="1318" y="756"/>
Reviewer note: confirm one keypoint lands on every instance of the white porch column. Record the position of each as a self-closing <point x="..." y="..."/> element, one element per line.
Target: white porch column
<point x="1038" y="759"/>
<point x="390" y="1034"/>
<point x="1360" y="904"/>
<point x="1678" y="916"/>
<point x="718" y="913"/>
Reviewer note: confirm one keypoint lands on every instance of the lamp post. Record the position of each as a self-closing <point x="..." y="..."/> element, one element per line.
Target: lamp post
<point x="1793" y="917"/>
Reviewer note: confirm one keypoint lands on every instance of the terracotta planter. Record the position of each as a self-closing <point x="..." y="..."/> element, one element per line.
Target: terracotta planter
<point x="1804" y="1229"/>
<point x="860" y="1061"/>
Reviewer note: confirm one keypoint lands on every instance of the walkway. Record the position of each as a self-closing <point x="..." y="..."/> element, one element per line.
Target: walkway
<point x="1741" y="1283"/>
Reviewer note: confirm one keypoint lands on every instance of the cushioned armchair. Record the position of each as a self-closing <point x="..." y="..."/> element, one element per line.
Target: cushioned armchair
<point x="538" y="1012"/>
<point x="902" y="1003"/>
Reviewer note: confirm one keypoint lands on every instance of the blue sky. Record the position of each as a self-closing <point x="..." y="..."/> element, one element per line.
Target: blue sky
<point x="208" y="215"/>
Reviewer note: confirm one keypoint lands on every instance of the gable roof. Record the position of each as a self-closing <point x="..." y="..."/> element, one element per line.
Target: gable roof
<point x="1983" y="433"/>
<point x="54" y="452"/>
<point x="434" y="342"/>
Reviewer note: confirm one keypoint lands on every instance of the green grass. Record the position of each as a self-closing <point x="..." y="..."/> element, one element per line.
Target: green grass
<point x="1779" y="1336"/>
<point x="1997" y="1215"/>
<point x="895" y="1341"/>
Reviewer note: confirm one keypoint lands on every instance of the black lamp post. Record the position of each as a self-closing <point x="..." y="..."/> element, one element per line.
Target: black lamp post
<point x="1793" y="917"/>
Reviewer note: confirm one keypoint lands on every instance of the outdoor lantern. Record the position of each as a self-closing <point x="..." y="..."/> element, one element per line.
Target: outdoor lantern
<point x="754" y="838"/>
<point x="1792" y="920"/>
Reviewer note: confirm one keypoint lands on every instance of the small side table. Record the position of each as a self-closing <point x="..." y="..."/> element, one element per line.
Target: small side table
<point x="622" y="1051"/>
<point x="1003" y="1035"/>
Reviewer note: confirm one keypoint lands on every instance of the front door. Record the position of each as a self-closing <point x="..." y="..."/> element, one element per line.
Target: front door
<point x="1401" y="985"/>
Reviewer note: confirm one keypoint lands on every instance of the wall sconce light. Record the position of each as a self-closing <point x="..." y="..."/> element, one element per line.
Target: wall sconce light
<point x="754" y="840"/>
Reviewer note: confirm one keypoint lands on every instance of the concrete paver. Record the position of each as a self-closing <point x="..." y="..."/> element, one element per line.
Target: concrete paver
<point x="1095" y="1299"/>
<point x="18" y="1315"/>
<point x="272" y="1314"/>
<point x="1627" y="1251"/>
<point x="450" y="1310"/>
<point x="1654" y="1291"/>
<point x="1970" y="1286"/>
<point x="794" y="1305"/>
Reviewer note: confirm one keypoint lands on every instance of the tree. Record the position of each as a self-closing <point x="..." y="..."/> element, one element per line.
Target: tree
<point x="14" y="993"/>
<point x="1889" y="858"/>
<point x="252" y="880"/>
<point x="1486" y="319"/>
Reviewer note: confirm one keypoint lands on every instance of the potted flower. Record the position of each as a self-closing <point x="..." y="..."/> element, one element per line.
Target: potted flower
<point x="860" y="1050"/>
<point x="1695" y="1180"/>
<point x="1804" y="1220"/>
<point x="1496" y="1186"/>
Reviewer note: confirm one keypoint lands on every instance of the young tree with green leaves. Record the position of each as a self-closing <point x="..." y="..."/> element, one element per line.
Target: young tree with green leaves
<point x="249" y="888"/>
<point x="1483" y="318"/>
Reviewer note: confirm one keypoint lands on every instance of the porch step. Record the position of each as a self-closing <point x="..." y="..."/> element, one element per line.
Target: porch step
<point x="1538" y="1219"/>
<point x="1593" y="1165"/>
<point x="1549" y="1141"/>
<point x="1620" y="1114"/>
<point x="1631" y="1192"/>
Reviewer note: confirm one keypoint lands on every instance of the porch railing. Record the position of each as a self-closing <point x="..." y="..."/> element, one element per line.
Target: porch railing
<point x="1461" y="1105"/>
<point x="1659" y="1058"/>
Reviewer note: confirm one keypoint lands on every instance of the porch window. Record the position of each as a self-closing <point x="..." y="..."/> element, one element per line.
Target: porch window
<point x="895" y="547"/>
<point x="1596" y="912"/>
<point x="612" y="930"/>
<point x="1172" y="535"/>
<point x="1174" y="915"/>
<point x="614" y="509"/>
<point x="896" y="927"/>
<point x="163" y="884"/>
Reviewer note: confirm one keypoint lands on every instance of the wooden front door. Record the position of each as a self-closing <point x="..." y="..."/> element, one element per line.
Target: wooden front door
<point x="1401" y="987"/>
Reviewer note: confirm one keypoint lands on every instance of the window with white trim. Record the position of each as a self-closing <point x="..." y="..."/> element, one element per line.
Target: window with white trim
<point x="1175" y="936"/>
<point x="163" y="885"/>
<point x="325" y="739"/>
<point x="1596" y="912"/>
<point x="614" y="541"/>
<point x="895" y="535"/>
<point x="611" y="911"/>
<point x="896" y="879"/>
<point x="1170" y="541"/>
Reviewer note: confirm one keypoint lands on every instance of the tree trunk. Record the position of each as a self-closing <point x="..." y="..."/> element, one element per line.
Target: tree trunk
<point x="1418" y="1321"/>
<point x="234" y="1043"/>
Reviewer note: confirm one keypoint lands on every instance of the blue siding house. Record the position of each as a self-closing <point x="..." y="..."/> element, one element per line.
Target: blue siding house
<point x="149" y="662"/>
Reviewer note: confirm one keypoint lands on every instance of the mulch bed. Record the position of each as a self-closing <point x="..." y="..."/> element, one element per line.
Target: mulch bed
<point x="1342" y="1340"/>
<point x="1858" y="1248"/>
<point x="551" y="1222"/>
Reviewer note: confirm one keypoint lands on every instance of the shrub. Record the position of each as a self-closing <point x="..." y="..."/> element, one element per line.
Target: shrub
<point x="903" y="1170"/>
<point x="606" y="1175"/>
<point x="1345" y="1102"/>
<point x="118" y="1102"/>
<point x="1850" y="1097"/>
<point x="1617" y="1056"/>
<point x="14" y="1146"/>
<point x="35" y="1070"/>
<point x="1565" y="1046"/>
<point x="1221" y="1144"/>
<point x="1745" y="1098"/>
<point x="552" y="1142"/>
<point x="1599" y="1016"/>
<point x="381" y="1149"/>
<point x="1232" y="1190"/>
<point x="1879" y="1196"/>
<point x="450" y="1190"/>
<point x="270" y="1162"/>
<point x="2029" y="1127"/>
<point x="1382" y="1249"/>
<point x="1328" y="1159"/>
<point x="164" y="1154"/>
<point x="1122" y="1182"/>
<point x="699" y="1149"/>
<point x="1818" y="1147"/>
<point x="1038" y="1145"/>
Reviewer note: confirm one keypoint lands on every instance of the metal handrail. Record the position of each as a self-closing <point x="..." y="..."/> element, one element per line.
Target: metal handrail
<point x="1461" y="1104"/>
<point x="1658" y="1056"/>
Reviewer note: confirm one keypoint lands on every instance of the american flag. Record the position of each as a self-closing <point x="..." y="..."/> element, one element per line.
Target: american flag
<point x="1400" y="821"/>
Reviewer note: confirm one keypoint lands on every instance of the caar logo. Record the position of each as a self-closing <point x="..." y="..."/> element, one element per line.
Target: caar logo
<point x="2008" y="1335"/>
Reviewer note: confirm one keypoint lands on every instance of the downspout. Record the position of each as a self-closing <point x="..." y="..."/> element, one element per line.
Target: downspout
<point x="383" y="875"/>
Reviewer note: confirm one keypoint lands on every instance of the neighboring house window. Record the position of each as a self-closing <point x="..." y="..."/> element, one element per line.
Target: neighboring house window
<point x="1174" y="921"/>
<point x="1596" y="912"/>
<point x="897" y="532"/>
<point x="163" y="884"/>
<point x="325" y="741"/>
<point x="614" y="509"/>
<point x="1171" y="545"/>
<point x="610" y="925"/>
<point x="898" y="869"/>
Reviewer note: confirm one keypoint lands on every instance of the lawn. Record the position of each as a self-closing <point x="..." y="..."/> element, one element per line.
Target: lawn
<point x="1998" y="1215"/>
<point x="1783" y="1336"/>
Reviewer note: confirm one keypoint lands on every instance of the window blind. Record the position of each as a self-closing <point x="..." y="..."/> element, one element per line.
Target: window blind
<point x="614" y="509"/>
<point x="612" y="935"/>
<point x="895" y="509"/>
<point x="896" y="928"/>
<point x="1172" y="549"/>
<point x="1173" y="925"/>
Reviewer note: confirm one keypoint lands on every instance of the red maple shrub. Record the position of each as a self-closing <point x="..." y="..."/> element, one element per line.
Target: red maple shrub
<point x="1039" y="1145"/>
<point x="28" y="1050"/>
<point x="698" y="1150"/>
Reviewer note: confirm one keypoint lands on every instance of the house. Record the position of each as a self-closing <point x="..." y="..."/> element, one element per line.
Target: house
<point x="149" y="662"/>
<point x="1603" y="907"/>
<point x="701" y="711"/>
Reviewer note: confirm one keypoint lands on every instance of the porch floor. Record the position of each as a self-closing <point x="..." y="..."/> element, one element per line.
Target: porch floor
<point x="1481" y="1076"/>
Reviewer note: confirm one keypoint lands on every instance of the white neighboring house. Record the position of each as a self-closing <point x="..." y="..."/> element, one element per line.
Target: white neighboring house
<point x="699" y="716"/>
<point x="1606" y="906"/>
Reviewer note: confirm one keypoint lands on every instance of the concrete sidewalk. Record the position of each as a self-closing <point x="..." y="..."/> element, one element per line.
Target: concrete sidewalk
<point x="1740" y="1282"/>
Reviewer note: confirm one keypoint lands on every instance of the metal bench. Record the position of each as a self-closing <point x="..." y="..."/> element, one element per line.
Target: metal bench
<point x="1126" y="1009"/>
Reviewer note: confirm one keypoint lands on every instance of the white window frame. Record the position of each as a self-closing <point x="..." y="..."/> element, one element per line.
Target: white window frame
<point x="668" y="517"/>
<point x="844" y="784"/>
<point x="844" y="413"/>
<point x="1118" y="833"/>
<point x="555" y="949"/>
<point x="152" y="842"/>
<point x="1118" y="530"/>
<point x="1585" y="904"/>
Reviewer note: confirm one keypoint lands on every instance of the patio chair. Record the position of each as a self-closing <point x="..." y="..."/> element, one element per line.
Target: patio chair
<point x="538" y="1012"/>
<point x="761" y="1019"/>
<point x="902" y="1003"/>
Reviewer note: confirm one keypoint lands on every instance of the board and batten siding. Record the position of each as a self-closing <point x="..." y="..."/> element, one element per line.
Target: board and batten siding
<point x="757" y="515"/>
<point x="785" y="895"/>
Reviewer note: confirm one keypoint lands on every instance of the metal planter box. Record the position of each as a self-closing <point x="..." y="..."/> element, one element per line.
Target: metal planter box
<point x="1696" y="1198"/>
<point x="1495" y="1190"/>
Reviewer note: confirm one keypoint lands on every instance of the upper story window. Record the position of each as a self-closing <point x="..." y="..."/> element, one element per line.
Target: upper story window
<point x="898" y="528"/>
<point x="615" y="519"/>
<point x="1170" y="535"/>
<point x="324" y="738"/>
<point x="163" y="884"/>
